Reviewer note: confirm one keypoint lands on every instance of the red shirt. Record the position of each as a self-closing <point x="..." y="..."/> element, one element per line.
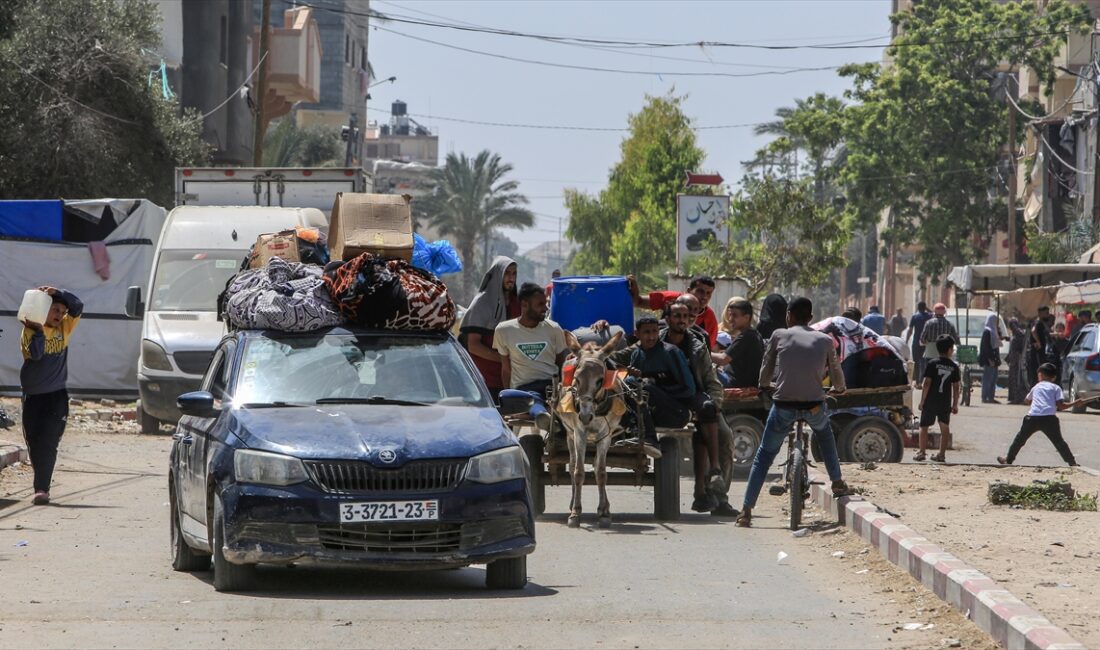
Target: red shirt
<point x="490" y="370"/>
<point x="707" y="320"/>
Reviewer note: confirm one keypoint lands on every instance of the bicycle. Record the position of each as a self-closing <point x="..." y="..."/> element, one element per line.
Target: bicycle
<point x="796" y="473"/>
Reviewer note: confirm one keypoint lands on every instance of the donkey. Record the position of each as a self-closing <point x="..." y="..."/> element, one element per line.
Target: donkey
<point x="591" y="414"/>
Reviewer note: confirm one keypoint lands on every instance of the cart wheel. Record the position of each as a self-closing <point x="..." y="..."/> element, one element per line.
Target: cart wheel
<point x="533" y="447"/>
<point x="666" y="482"/>
<point x="747" y="434"/>
<point x="871" y="439"/>
<point x="838" y="423"/>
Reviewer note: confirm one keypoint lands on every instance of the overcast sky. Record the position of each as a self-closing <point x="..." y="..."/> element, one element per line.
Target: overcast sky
<point x="445" y="82"/>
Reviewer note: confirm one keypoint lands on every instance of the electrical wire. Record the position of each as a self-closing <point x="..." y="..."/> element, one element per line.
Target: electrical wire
<point x="72" y="99"/>
<point x="559" y="127"/>
<point x="1059" y="158"/>
<point x="567" y="66"/>
<point x="235" y="92"/>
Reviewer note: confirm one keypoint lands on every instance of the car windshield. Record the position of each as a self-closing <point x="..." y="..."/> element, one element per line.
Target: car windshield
<point x="369" y="369"/>
<point x="190" y="280"/>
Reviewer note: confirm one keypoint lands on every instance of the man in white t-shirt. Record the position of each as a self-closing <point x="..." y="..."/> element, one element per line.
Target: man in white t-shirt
<point x="531" y="347"/>
<point x="1046" y="399"/>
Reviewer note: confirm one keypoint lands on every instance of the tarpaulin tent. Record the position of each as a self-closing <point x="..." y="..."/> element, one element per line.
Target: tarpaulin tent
<point x="987" y="278"/>
<point x="103" y="353"/>
<point x="1079" y="293"/>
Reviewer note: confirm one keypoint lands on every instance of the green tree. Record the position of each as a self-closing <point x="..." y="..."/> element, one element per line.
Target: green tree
<point x="290" y="145"/>
<point x="470" y="201"/>
<point x="630" y="227"/>
<point x="80" y="116"/>
<point x="782" y="235"/>
<point x="926" y="135"/>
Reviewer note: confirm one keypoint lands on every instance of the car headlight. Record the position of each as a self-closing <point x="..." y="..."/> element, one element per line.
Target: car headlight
<point x="496" y="466"/>
<point x="154" y="357"/>
<point x="266" y="468"/>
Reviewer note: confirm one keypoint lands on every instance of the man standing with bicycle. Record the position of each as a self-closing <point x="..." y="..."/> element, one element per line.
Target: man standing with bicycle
<point x="795" y="362"/>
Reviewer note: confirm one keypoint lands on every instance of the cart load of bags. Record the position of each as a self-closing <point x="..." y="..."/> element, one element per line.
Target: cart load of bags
<point x="867" y="359"/>
<point x="288" y="283"/>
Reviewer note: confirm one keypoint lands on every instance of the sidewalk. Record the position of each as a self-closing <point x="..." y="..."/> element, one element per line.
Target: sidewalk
<point x="935" y="522"/>
<point x="11" y="453"/>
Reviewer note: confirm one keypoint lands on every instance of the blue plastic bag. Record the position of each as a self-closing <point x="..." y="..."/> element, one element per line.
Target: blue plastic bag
<point x="437" y="257"/>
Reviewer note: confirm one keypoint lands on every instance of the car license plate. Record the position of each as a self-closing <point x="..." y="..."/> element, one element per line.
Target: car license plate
<point x="390" y="511"/>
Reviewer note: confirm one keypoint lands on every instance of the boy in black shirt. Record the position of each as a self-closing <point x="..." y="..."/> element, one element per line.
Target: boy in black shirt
<point x="939" y="397"/>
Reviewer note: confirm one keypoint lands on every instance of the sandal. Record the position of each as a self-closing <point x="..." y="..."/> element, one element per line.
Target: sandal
<point x="919" y="456"/>
<point x="939" y="458"/>
<point x="744" y="520"/>
<point x="1002" y="460"/>
<point x="841" y="489"/>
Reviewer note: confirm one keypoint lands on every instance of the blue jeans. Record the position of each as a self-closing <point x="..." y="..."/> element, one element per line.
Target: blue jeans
<point x="989" y="383"/>
<point x="780" y="421"/>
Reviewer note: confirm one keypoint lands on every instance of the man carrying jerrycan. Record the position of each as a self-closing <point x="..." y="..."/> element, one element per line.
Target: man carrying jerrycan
<point x="45" y="372"/>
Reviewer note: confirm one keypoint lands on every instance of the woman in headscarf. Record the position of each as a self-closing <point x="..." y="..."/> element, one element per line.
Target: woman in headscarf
<point x="989" y="357"/>
<point x="1017" y="379"/>
<point x="773" y="315"/>
<point x="496" y="301"/>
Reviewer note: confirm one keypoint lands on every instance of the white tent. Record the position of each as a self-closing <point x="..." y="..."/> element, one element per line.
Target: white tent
<point x="1079" y="293"/>
<point x="985" y="278"/>
<point x="104" y="350"/>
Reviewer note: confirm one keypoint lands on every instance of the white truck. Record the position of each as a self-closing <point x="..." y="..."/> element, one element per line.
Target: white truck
<point x="286" y="187"/>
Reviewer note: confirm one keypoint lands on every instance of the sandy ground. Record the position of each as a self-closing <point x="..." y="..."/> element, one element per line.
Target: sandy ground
<point x="1050" y="560"/>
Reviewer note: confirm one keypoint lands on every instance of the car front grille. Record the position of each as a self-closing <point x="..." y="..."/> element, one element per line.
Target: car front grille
<point x="391" y="538"/>
<point x="193" y="362"/>
<point x="354" y="477"/>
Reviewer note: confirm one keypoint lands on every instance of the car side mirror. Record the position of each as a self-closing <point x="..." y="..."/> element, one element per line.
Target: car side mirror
<point x="134" y="307"/>
<point x="514" y="401"/>
<point x="199" y="404"/>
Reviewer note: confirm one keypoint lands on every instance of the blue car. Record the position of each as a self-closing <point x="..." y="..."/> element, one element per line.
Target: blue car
<point x="380" y="449"/>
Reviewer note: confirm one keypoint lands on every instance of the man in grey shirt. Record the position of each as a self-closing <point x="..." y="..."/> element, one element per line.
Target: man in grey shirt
<point x="795" y="362"/>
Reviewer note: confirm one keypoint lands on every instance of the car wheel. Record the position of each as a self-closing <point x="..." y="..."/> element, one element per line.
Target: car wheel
<point x="184" y="558"/>
<point x="149" y="424"/>
<point x="872" y="439"/>
<point x="509" y="573"/>
<point x="228" y="576"/>
<point x="1074" y="392"/>
<point x="532" y="447"/>
<point x="747" y="434"/>
<point x="666" y="481"/>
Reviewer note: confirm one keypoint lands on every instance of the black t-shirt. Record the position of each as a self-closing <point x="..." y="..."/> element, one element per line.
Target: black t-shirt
<point x="746" y="354"/>
<point x="943" y="373"/>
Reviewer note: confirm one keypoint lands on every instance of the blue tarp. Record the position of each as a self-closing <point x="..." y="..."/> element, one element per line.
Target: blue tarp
<point x="33" y="219"/>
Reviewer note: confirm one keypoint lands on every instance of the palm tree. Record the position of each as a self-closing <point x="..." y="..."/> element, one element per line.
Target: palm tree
<point x="470" y="201"/>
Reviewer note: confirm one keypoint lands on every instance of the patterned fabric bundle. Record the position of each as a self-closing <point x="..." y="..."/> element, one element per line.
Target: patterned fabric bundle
<point x="285" y="296"/>
<point x="867" y="359"/>
<point x="389" y="294"/>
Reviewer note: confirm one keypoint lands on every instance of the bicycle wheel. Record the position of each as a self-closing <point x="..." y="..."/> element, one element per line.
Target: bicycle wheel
<point x="797" y="471"/>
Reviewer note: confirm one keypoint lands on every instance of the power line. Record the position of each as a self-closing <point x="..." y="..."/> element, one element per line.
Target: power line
<point x="639" y="43"/>
<point x="558" y="127"/>
<point x="237" y="91"/>
<point x="567" y="66"/>
<point x="72" y="99"/>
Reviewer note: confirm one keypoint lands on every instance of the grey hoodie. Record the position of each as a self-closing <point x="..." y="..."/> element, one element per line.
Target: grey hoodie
<point x="490" y="306"/>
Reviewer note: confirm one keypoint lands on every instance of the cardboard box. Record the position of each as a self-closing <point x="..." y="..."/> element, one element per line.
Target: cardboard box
<point x="380" y="224"/>
<point x="281" y="244"/>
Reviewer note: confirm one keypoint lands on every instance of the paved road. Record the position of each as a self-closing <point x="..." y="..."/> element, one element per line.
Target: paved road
<point x="984" y="431"/>
<point x="95" y="571"/>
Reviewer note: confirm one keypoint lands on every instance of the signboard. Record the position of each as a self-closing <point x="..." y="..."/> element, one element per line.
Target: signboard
<point x="700" y="219"/>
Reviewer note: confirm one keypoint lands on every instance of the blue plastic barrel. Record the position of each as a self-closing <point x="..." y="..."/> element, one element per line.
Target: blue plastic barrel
<point x="581" y="300"/>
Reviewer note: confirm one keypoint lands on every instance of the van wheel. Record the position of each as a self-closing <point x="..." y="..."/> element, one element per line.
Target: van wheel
<point x="509" y="573"/>
<point x="228" y="576"/>
<point x="149" y="424"/>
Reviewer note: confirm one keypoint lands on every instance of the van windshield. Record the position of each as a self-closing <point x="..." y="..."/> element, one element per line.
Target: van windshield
<point x="972" y="327"/>
<point x="190" y="280"/>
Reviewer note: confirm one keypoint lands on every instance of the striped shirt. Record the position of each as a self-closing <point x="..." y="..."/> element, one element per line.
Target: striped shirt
<point x="937" y="327"/>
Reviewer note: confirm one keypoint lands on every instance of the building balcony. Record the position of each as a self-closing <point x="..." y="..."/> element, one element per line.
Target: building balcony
<point x="294" y="62"/>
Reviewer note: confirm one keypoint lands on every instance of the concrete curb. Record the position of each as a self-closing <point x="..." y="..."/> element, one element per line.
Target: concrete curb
<point x="1011" y="622"/>
<point x="11" y="453"/>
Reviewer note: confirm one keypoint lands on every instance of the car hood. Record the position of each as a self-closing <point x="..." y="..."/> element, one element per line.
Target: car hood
<point x="363" y="431"/>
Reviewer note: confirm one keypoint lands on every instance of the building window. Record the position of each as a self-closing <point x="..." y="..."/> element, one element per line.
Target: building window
<point x="223" y="42"/>
<point x="347" y="49"/>
<point x="363" y="59"/>
<point x="372" y="151"/>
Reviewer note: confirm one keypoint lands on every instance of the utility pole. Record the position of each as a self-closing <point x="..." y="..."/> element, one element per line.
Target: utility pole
<point x="261" y="87"/>
<point x="1011" y="198"/>
<point x="863" y="270"/>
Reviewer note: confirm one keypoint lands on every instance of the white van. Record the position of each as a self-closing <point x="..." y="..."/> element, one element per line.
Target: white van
<point x="200" y="248"/>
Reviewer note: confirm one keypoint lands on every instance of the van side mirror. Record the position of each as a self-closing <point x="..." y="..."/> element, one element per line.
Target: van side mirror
<point x="134" y="307"/>
<point x="199" y="404"/>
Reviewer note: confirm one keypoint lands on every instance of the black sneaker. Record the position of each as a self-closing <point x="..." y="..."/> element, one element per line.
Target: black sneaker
<point x="716" y="484"/>
<point x="725" y="510"/>
<point x="705" y="503"/>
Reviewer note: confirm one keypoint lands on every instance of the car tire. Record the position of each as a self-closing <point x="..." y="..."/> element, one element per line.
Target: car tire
<point x="149" y="424"/>
<point x="509" y="573"/>
<point x="228" y="576"/>
<point x="747" y="434"/>
<point x="184" y="558"/>
<point x="533" y="447"/>
<point x="871" y="438"/>
<point x="666" y="481"/>
<point x="1074" y="392"/>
